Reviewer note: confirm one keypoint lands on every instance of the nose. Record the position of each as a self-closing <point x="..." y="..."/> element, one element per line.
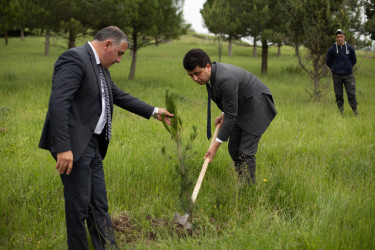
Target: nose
<point x="195" y="78"/>
<point x="118" y="60"/>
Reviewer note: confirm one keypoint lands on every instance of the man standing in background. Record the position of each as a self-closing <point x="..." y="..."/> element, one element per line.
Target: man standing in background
<point x="340" y="59"/>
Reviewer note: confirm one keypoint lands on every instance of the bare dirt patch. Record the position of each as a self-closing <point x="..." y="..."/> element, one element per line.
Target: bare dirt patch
<point x="159" y="228"/>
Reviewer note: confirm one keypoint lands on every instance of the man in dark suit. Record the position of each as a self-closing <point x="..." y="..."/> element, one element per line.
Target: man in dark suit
<point x="77" y="132"/>
<point x="247" y="108"/>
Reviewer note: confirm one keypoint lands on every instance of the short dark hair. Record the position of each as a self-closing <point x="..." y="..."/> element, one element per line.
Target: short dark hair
<point x="194" y="58"/>
<point x="112" y="32"/>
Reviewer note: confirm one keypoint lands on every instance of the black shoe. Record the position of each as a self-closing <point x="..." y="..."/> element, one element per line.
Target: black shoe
<point x="355" y="112"/>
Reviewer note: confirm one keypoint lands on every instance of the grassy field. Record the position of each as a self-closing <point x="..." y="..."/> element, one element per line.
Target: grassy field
<point x="315" y="176"/>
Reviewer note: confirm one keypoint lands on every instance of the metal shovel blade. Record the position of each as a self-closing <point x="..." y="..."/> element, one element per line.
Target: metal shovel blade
<point x="182" y="220"/>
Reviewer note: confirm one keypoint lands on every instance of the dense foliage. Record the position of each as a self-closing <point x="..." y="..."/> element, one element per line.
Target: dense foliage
<point x="146" y="22"/>
<point x="370" y="13"/>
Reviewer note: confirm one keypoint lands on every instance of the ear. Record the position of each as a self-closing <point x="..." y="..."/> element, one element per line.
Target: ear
<point x="208" y="67"/>
<point x="107" y="43"/>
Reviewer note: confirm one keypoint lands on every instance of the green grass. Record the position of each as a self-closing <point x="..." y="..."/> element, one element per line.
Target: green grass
<point x="316" y="174"/>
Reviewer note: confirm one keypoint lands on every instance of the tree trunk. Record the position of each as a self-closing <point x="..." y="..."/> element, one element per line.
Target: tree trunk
<point x="230" y="45"/>
<point x="72" y="37"/>
<point x="22" y="34"/>
<point x="220" y="42"/>
<point x="133" y="65"/>
<point x="255" y="47"/>
<point x="46" y="47"/>
<point x="316" y="78"/>
<point x="317" y="90"/>
<point x="6" y="37"/>
<point x="264" y="56"/>
<point x="134" y="57"/>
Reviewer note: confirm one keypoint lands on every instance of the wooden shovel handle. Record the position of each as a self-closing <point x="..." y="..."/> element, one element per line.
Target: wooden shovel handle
<point x="204" y="168"/>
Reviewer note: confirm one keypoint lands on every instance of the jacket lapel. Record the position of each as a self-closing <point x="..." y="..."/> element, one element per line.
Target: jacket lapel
<point x="94" y="67"/>
<point x="213" y="81"/>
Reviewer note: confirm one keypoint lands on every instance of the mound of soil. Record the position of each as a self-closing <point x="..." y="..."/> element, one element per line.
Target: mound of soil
<point x="159" y="228"/>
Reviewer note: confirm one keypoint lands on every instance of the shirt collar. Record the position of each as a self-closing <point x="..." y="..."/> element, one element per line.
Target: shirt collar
<point x="95" y="54"/>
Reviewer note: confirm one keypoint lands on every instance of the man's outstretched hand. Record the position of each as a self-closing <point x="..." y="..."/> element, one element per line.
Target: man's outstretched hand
<point x="164" y="113"/>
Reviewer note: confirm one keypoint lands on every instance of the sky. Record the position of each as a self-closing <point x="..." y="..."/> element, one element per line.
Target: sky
<point x="193" y="16"/>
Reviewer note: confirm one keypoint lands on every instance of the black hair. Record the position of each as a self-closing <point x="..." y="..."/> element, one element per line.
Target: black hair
<point x="194" y="58"/>
<point x="111" y="32"/>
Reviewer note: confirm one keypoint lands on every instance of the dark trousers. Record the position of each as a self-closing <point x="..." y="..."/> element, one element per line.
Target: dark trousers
<point x="86" y="200"/>
<point x="347" y="81"/>
<point x="242" y="148"/>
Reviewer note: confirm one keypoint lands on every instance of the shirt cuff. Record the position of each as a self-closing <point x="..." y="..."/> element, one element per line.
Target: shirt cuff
<point x="155" y="112"/>
<point x="218" y="140"/>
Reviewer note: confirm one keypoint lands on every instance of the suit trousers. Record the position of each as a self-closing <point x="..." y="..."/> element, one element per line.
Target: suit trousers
<point x="348" y="81"/>
<point x="242" y="148"/>
<point x="86" y="200"/>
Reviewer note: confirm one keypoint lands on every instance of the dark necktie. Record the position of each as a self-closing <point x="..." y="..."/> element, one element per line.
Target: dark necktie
<point x="107" y="103"/>
<point x="209" y="92"/>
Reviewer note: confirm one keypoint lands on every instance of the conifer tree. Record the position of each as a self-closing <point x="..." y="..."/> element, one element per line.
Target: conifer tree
<point x="175" y="130"/>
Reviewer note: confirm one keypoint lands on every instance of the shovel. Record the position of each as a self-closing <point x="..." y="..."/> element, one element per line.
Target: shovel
<point x="183" y="219"/>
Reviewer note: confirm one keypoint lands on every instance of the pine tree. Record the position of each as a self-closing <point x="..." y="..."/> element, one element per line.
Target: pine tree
<point x="175" y="130"/>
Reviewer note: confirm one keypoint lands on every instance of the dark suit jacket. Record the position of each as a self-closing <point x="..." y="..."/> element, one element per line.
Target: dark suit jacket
<point x="75" y="103"/>
<point x="243" y="98"/>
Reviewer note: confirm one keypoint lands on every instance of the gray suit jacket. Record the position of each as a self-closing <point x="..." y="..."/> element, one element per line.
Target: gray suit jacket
<point x="75" y="103"/>
<point x="244" y="99"/>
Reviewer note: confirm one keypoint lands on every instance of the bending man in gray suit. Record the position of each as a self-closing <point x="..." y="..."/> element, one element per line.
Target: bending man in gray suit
<point x="246" y="103"/>
<point x="77" y="132"/>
